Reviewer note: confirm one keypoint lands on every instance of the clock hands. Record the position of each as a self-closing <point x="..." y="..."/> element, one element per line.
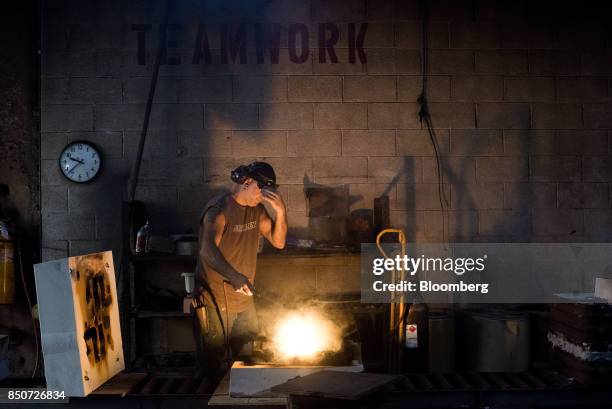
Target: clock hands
<point x="79" y="162"/>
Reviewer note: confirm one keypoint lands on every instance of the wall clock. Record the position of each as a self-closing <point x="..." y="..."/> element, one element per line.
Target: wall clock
<point x="80" y="161"/>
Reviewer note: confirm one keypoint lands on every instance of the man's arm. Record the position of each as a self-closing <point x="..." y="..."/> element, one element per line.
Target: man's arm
<point x="213" y="224"/>
<point x="274" y="231"/>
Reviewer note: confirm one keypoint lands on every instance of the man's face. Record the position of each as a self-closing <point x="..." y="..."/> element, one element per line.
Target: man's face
<point x="252" y="192"/>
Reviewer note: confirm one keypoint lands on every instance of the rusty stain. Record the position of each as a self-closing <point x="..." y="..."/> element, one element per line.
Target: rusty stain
<point x="95" y="300"/>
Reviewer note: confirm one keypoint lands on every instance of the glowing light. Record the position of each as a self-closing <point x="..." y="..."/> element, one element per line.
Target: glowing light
<point x="305" y="334"/>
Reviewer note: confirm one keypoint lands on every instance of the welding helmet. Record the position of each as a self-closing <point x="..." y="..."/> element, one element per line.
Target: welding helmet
<point x="261" y="172"/>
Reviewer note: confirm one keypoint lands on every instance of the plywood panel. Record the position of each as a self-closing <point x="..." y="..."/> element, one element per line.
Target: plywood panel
<point x="79" y="319"/>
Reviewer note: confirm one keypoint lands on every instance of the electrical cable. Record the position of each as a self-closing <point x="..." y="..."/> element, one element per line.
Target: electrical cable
<point x="425" y="115"/>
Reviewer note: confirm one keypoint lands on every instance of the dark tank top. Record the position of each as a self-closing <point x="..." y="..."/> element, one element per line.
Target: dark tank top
<point x="238" y="245"/>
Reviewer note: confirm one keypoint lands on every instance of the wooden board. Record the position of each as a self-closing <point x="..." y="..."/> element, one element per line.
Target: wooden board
<point x="79" y="321"/>
<point x="336" y="385"/>
<point x="221" y="397"/>
<point x="121" y="384"/>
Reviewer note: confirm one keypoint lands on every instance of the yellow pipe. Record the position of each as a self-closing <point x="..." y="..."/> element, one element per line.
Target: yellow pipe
<point x="396" y="349"/>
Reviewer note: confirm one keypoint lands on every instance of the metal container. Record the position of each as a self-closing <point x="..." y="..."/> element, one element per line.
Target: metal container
<point x="496" y="341"/>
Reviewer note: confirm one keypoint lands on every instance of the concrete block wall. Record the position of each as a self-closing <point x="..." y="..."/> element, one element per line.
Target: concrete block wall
<point x="519" y="96"/>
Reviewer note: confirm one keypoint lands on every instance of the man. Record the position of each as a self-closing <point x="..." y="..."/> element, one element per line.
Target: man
<point x="230" y="226"/>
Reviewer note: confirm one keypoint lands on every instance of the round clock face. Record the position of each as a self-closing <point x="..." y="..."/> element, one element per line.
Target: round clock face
<point x="80" y="161"/>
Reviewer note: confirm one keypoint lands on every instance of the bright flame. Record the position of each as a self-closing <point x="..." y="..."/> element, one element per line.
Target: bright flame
<point x="305" y="334"/>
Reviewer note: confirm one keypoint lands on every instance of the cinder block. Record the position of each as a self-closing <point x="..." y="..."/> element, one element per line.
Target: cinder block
<point x="583" y="195"/>
<point x="597" y="168"/>
<point x="502" y="62"/>
<point x="292" y="170"/>
<point x="81" y="91"/>
<point x="551" y="116"/>
<point x="598" y="224"/>
<point x="555" y="168"/>
<point x="476" y="142"/>
<point x="368" y="143"/>
<point x="502" y="169"/>
<point x="393" y="116"/>
<point x="505" y="223"/>
<point x="381" y="61"/>
<point x="582" y="89"/>
<point x="340" y="116"/>
<point x="286" y="116"/>
<point x="561" y="222"/>
<point x="554" y="62"/>
<point x="137" y="90"/>
<point x="596" y="63"/>
<point x="418" y="142"/>
<point x="98" y="199"/>
<point x="462" y="225"/>
<point x="477" y="88"/>
<point x="54" y="198"/>
<point x="113" y="62"/>
<point x="163" y="116"/>
<point x="503" y="115"/>
<point x="385" y="169"/>
<point x="52" y="144"/>
<point x="109" y="143"/>
<point x="315" y="88"/>
<point x="342" y="167"/>
<point x="193" y="199"/>
<point x="67" y="118"/>
<point x="107" y="228"/>
<point x="158" y="145"/>
<point x="409" y="88"/>
<point x="379" y="35"/>
<point x="534" y="36"/>
<point x="64" y="226"/>
<point x="406" y="62"/>
<point x="296" y="198"/>
<point x="54" y="249"/>
<point x="257" y="88"/>
<point x="529" y="89"/>
<point x="453" y="114"/>
<point x="158" y="198"/>
<point x="369" y="89"/>
<point x="175" y="171"/>
<point x="342" y="67"/>
<point x="598" y="115"/>
<point x="560" y="142"/>
<point x="82" y="349"/>
<point x="451" y="62"/>
<point x="477" y="196"/>
<point x="420" y="196"/>
<point x="68" y="64"/>
<point x="454" y="169"/>
<point x="314" y="143"/>
<point x="527" y="141"/>
<point x="230" y="116"/>
<point x="475" y="35"/>
<point x="50" y="174"/>
<point x="589" y="142"/>
<point x="530" y="195"/>
<point x="212" y="143"/>
<point x="409" y="34"/>
<point x="260" y="143"/>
